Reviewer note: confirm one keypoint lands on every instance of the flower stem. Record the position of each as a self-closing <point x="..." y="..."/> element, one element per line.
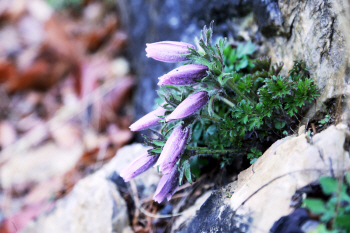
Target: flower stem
<point x="230" y="99"/>
<point x="226" y="101"/>
<point x="206" y="150"/>
<point x="213" y="118"/>
<point x="233" y="86"/>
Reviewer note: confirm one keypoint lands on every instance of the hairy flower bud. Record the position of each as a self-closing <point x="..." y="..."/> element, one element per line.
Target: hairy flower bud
<point x="173" y="149"/>
<point x="189" y="106"/>
<point x="184" y="75"/>
<point x="167" y="185"/>
<point x="168" y="51"/>
<point x="138" y="166"/>
<point x="149" y="120"/>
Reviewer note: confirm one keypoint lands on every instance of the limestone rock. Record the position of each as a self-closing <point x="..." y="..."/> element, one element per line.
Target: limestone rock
<point x="289" y="164"/>
<point x="95" y="205"/>
<point x="317" y="32"/>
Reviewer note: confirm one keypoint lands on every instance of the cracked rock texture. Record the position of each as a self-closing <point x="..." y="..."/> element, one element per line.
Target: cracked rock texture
<point x="289" y="164"/>
<point x="317" y="32"/>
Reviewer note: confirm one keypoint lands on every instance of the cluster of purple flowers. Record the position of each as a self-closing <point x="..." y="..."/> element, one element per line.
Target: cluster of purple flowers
<point x="169" y="51"/>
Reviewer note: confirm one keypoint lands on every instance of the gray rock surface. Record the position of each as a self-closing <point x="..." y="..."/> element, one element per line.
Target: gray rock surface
<point x="185" y="218"/>
<point x="286" y="166"/>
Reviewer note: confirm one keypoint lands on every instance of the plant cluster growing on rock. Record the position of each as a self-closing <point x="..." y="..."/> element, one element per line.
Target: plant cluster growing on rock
<point x="219" y="103"/>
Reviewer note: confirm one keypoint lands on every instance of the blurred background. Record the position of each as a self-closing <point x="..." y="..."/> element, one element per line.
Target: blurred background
<point x="74" y="76"/>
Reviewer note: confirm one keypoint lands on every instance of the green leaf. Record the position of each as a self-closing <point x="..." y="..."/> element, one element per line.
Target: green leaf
<point x="279" y="124"/>
<point x="195" y="166"/>
<point x="158" y="143"/>
<point x="245" y="119"/>
<point x="329" y="185"/>
<point x="253" y="160"/>
<point x="232" y="58"/>
<point x="227" y="50"/>
<point x="181" y="176"/>
<point x="222" y="45"/>
<point x="246" y="49"/>
<point x="203" y="61"/>
<point x="316" y="206"/>
<point x="211" y="129"/>
<point x="211" y="105"/>
<point x="158" y="150"/>
<point x="242" y="64"/>
<point x="343" y="221"/>
<point x="187" y="169"/>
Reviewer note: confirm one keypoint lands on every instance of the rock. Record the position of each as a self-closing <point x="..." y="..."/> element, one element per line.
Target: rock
<point x="187" y="215"/>
<point x="268" y="16"/>
<point x="146" y="182"/>
<point x="263" y="192"/>
<point x="95" y="205"/>
<point x="296" y="222"/>
<point x="318" y="33"/>
<point x="216" y="216"/>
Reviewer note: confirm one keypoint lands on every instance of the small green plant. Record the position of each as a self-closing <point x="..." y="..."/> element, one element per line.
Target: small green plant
<point x="334" y="213"/>
<point x="237" y="59"/>
<point x="324" y="120"/>
<point x="220" y="103"/>
<point x="254" y="155"/>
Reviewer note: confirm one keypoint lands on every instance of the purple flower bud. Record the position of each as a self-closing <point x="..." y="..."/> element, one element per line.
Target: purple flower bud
<point x="189" y="106"/>
<point x="138" y="166"/>
<point x="168" y="51"/>
<point x="167" y="185"/>
<point x="149" y="120"/>
<point x="173" y="149"/>
<point x="184" y="75"/>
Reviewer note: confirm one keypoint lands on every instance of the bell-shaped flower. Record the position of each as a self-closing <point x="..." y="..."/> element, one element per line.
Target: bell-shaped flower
<point x="184" y="75"/>
<point x="168" y="51"/>
<point x="173" y="149"/>
<point x="138" y="166"/>
<point x="189" y="106"/>
<point x="149" y="120"/>
<point x="167" y="185"/>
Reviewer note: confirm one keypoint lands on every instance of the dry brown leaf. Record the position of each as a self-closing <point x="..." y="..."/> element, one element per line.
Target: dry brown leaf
<point x="7" y="71"/>
<point x="97" y="36"/>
